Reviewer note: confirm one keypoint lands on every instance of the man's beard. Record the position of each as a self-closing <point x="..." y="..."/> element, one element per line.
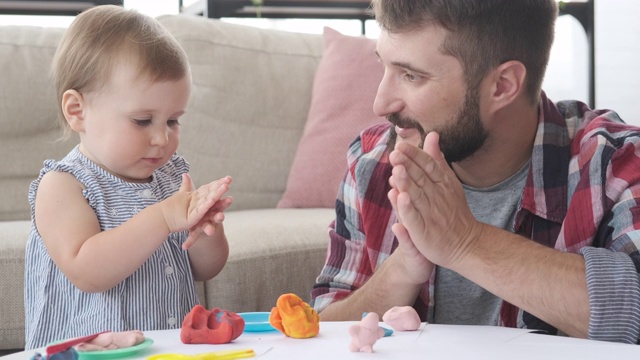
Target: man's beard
<point x="460" y="137"/>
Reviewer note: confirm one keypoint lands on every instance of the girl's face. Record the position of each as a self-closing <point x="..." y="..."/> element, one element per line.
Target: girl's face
<point x="130" y="126"/>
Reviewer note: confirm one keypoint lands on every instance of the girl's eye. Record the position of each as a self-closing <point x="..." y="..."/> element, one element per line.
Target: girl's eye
<point x="173" y="122"/>
<point x="142" y="122"/>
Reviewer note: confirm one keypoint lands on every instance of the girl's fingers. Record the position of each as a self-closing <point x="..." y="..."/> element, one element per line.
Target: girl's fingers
<point x="191" y="239"/>
<point x="186" y="184"/>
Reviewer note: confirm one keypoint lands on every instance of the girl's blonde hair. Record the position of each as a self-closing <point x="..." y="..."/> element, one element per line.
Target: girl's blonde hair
<point x="99" y="37"/>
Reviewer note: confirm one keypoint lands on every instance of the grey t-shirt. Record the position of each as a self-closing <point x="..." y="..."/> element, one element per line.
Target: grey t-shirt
<point x="458" y="300"/>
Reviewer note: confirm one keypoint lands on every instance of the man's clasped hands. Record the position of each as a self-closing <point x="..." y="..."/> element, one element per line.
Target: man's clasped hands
<point x="435" y="224"/>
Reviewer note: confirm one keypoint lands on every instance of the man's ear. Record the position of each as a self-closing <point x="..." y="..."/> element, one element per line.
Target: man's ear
<point x="73" y="109"/>
<point x="508" y="83"/>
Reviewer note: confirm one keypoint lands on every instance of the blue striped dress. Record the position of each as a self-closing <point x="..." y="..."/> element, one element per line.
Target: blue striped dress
<point x="157" y="296"/>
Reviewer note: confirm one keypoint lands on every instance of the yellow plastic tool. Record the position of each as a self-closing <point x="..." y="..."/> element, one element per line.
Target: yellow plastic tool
<point x="216" y="355"/>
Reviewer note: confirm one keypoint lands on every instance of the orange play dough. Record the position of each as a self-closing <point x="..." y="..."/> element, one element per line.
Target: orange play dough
<point x="294" y="317"/>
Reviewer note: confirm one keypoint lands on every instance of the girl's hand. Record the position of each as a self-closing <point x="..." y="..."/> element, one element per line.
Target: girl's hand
<point x="198" y="211"/>
<point x="209" y="223"/>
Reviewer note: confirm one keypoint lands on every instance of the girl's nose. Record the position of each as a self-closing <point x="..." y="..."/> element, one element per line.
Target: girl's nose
<point x="160" y="137"/>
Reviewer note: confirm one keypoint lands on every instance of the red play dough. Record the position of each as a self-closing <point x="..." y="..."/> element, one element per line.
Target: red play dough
<point x="202" y="326"/>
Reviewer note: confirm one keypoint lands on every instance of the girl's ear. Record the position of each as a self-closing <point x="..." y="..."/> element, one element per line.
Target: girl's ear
<point x="73" y="109"/>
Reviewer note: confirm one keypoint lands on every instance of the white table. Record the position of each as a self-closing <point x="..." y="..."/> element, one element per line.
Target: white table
<point x="429" y="342"/>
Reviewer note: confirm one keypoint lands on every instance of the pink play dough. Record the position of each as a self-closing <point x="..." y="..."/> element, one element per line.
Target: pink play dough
<point x="402" y="318"/>
<point x="365" y="333"/>
<point x="112" y="340"/>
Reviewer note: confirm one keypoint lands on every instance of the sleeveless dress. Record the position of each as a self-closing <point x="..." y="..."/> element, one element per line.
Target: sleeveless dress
<point x="157" y="296"/>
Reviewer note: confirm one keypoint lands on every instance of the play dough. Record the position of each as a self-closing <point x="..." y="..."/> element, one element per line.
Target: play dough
<point x="294" y="317"/>
<point x="365" y="333"/>
<point x="112" y="340"/>
<point x="402" y="318"/>
<point x="202" y="326"/>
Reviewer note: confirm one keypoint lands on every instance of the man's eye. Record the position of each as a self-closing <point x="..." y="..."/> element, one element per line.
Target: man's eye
<point x="411" y="77"/>
<point x="173" y="122"/>
<point x="142" y="122"/>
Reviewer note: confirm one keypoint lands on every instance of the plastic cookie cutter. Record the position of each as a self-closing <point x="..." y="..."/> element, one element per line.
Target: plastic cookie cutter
<point x="64" y="350"/>
<point x="216" y="355"/>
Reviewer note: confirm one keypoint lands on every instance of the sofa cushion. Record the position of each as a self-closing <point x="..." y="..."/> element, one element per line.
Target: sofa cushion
<point x="27" y="113"/>
<point x="344" y="88"/>
<point x="249" y="103"/>
<point x="271" y="252"/>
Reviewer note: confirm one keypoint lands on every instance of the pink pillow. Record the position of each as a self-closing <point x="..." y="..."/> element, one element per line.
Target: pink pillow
<point x="344" y="88"/>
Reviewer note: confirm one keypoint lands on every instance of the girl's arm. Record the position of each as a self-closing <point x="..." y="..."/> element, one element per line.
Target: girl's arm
<point x="94" y="260"/>
<point x="209" y="254"/>
<point x="207" y="244"/>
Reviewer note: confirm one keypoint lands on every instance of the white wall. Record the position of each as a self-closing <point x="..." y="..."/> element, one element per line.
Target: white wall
<point x="617" y="50"/>
<point x="617" y="59"/>
<point x="617" y="39"/>
<point x="567" y="72"/>
<point x="155" y="7"/>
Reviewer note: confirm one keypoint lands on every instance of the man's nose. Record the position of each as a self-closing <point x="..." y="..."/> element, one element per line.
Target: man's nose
<point x="387" y="100"/>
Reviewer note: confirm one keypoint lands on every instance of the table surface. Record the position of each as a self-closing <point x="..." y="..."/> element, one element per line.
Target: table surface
<point x="430" y="341"/>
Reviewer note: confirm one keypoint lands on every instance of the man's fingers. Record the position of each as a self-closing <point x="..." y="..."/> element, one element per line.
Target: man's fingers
<point x="402" y="235"/>
<point x="418" y="162"/>
<point x="432" y="148"/>
<point x="403" y="179"/>
<point x="393" y="198"/>
<point x="411" y="218"/>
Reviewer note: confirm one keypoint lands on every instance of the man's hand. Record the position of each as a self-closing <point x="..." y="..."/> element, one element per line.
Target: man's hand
<point x="416" y="267"/>
<point x="431" y="203"/>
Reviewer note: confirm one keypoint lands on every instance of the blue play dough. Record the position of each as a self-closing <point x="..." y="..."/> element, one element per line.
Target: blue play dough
<point x="387" y="332"/>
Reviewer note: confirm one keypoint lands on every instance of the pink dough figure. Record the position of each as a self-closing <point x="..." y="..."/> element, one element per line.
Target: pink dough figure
<point x="112" y="340"/>
<point x="402" y="318"/>
<point x="365" y="333"/>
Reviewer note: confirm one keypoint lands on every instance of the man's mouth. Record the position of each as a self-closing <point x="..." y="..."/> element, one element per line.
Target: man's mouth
<point x="406" y="132"/>
<point x="405" y="127"/>
<point x="403" y="122"/>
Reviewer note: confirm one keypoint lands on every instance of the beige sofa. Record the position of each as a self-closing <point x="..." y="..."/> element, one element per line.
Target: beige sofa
<point x="251" y="94"/>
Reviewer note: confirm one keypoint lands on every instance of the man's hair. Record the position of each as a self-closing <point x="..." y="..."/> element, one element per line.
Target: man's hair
<point x="482" y="34"/>
<point x="101" y="37"/>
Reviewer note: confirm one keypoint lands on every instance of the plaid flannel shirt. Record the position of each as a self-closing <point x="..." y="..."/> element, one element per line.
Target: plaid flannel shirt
<point x="582" y="195"/>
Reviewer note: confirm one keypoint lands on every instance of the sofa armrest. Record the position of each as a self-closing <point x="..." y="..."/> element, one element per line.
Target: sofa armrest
<point x="13" y="238"/>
